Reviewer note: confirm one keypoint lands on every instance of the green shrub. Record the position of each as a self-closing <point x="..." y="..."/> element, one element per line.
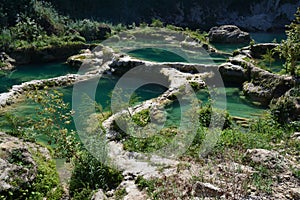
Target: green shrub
<point x="174" y="28"/>
<point x="47" y="17"/>
<point x="119" y="28"/>
<point x="5" y="39"/>
<point x="157" y="23"/>
<point x="90" y="173"/>
<point x="143" y="183"/>
<point x="90" y="30"/>
<point x="120" y="193"/>
<point x="205" y="116"/>
<point x="143" y="25"/>
<point x="84" y="194"/>
<point x="151" y="143"/>
<point x="262" y="133"/>
<point x="142" y="118"/>
<point x="197" y="35"/>
<point x="27" y="29"/>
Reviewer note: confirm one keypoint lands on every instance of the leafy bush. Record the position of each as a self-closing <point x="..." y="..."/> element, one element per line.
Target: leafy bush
<point x="197" y="35"/>
<point x="47" y="17"/>
<point x="174" y="28"/>
<point x="290" y="48"/>
<point x="143" y="25"/>
<point x="27" y="29"/>
<point x="119" y="28"/>
<point x="151" y="143"/>
<point x="263" y="132"/>
<point x="157" y="23"/>
<point x="205" y="116"/>
<point x="5" y="39"/>
<point x="89" y="173"/>
<point x="142" y="118"/>
<point x="90" y="30"/>
<point x="93" y="174"/>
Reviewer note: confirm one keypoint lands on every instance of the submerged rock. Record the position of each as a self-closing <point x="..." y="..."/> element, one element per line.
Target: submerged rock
<point x="228" y="34"/>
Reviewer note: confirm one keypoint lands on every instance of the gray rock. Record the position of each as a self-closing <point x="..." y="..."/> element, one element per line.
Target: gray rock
<point x="17" y="162"/>
<point x="232" y="73"/>
<point x="228" y="34"/>
<point x="296" y="136"/>
<point x="295" y="192"/>
<point x="269" y="159"/>
<point x="7" y="62"/>
<point x="263" y="86"/>
<point x="287" y="107"/>
<point x="257" y="50"/>
<point x="99" y="195"/>
<point x="257" y="93"/>
<point x="206" y="190"/>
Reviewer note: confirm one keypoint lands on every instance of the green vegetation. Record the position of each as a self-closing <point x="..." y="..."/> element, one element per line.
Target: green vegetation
<point x="54" y="123"/>
<point x="120" y="193"/>
<point x="284" y="108"/>
<point x="158" y="139"/>
<point x="45" y="185"/>
<point x="149" y="185"/>
<point x="268" y="58"/>
<point x="157" y="23"/>
<point x="290" y="48"/>
<point x="44" y="27"/>
<point x="197" y="35"/>
<point x="89" y="173"/>
<point x="142" y="118"/>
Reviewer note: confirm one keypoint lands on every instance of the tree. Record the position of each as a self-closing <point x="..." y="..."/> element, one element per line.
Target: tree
<point x="268" y="58"/>
<point x="289" y="49"/>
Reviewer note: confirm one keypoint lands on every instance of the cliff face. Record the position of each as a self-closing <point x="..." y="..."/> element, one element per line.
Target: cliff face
<point x="255" y="15"/>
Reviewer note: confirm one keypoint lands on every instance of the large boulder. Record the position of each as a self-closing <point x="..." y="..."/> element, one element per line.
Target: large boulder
<point x="263" y="86"/>
<point x="24" y="169"/>
<point x="257" y="50"/>
<point x="232" y="73"/>
<point x="228" y="34"/>
<point x="268" y="159"/>
<point x="287" y="107"/>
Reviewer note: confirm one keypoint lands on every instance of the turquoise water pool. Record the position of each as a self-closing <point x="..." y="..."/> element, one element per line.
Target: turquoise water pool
<point x="103" y="95"/>
<point x="237" y="105"/>
<point x="33" y="72"/>
<point x="163" y="55"/>
<point x="257" y="37"/>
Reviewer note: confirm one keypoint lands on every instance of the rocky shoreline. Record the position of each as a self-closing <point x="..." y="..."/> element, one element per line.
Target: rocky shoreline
<point x="258" y="85"/>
